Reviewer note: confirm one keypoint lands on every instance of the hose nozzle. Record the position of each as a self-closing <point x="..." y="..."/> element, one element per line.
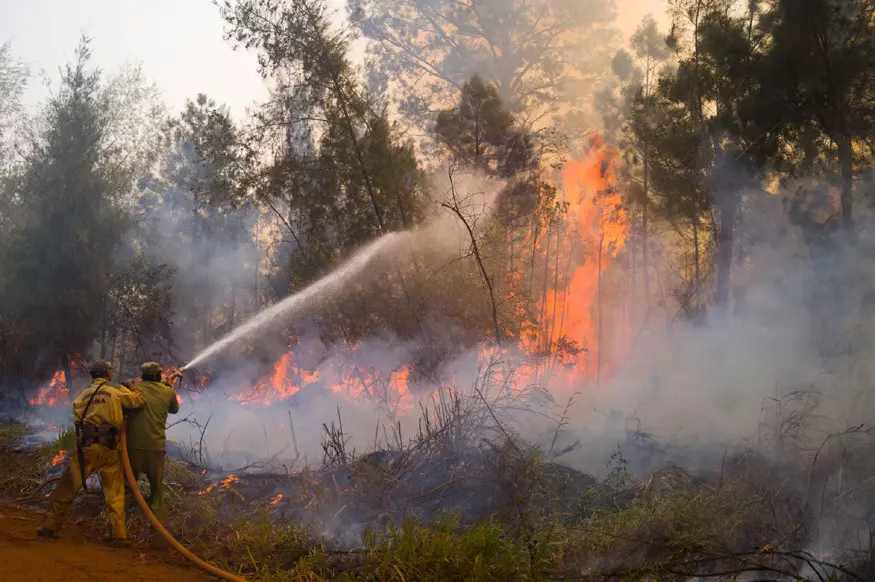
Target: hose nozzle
<point x="177" y="373"/>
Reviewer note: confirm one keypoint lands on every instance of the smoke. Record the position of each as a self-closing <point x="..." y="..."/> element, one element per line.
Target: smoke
<point x="463" y="205"/>
<point x="470" y="202"/>
<point x="694" y="386"/>
<point x="213" y="253"/>
<point x="793" y="345"/>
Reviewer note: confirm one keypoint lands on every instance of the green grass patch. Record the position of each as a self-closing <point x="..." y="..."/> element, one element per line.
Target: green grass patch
<point x="66" y="441"/>
<point x="658" y="530"/>
<point x="443" y="551"/>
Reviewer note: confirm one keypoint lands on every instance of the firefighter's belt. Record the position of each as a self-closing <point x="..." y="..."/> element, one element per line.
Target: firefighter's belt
<point x="103" y="434"/>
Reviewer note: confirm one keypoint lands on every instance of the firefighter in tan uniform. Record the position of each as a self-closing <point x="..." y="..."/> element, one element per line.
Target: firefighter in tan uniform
<point x="147" y="431"/>
<point x="98" y="414"/>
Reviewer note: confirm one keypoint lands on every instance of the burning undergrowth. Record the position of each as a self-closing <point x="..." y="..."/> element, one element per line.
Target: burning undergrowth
<point x="560" y="337"/>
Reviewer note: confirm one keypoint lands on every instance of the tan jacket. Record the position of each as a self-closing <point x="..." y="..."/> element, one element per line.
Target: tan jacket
<point x="108" y="404"/>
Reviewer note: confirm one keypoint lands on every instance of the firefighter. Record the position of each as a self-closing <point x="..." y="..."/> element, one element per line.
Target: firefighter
<point x="98" y="414"/>
<point x="147" y="431"/>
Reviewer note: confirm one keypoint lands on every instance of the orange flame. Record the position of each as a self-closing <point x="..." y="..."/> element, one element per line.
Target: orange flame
<point x="54" y="393"/>
<point x="599" y="220"/>
<point x="284" y="383"/>
<point x="59" y="458"/>
<point x="276" y="499"/>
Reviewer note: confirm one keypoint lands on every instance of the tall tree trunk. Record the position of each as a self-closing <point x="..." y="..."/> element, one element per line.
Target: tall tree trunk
<point x="698" y="276"/>
<point x="121" y="357"/>
<point x="207" y="298"/>
<point x="632" y="298"/>
<point x="726" y="237"/>
<point x="598" y="368"/>
<point x="535" y="230"/>
<point x="68" y="372"/>
<point x="543" y="324"/>
<point x="645" y="258"/>
<point x="103" y="331"/>
<point x="255" y="301"/>
<point x="232" y="310"/>
<point x="510" y="232"/>
<point x="345" y="107"/>
<point x="551" y="337"/>
<point x="846" y="164"/>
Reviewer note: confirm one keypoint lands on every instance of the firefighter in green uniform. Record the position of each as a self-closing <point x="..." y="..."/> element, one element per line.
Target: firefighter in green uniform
<point x="147" y="431"/>
<point x="98" y="414"/>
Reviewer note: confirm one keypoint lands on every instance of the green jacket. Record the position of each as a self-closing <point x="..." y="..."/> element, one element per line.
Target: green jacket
<point x="147" y="426"/>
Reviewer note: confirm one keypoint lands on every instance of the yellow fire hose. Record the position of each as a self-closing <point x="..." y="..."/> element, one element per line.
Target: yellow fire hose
<point x="129" y="475"/>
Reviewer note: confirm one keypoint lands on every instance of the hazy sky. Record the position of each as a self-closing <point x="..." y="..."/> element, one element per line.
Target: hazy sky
<point x="178" y="42"/>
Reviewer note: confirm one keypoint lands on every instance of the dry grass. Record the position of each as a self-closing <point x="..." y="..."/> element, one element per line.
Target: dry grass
<point x="466" y="499"/>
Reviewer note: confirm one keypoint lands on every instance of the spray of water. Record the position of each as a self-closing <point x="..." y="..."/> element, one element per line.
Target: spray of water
<point x="294" y="303"/>
<point x="473" y="196"/>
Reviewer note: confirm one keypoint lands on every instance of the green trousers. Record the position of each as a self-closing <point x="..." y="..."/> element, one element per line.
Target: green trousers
<point x="151" y="464"/>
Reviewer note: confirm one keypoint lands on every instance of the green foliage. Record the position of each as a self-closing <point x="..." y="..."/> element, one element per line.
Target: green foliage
<point x="345" y="175"/>
<point x="68" y="224"/>
<point x="818" y="78"/>
<point x="140" y="299"/>
<point x="481" y="132"/>
<point x="686" y="131"/>
<point x="725" y="99"/>
<point x="688" y="521"/>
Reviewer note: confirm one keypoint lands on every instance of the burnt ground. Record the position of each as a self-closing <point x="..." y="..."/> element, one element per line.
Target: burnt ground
<point x="74" y="557"/>
<point x="342" y="501"/>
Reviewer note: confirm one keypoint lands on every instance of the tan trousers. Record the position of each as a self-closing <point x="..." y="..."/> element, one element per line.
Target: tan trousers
<point x="107" y="462"/>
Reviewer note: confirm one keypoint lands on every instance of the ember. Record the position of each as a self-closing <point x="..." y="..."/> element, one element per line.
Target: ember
<point x="228" y="481"/>
<point x="223" y="486"/>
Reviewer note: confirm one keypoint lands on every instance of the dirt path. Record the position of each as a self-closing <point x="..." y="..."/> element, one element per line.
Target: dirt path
<point x="24" y="556"/>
